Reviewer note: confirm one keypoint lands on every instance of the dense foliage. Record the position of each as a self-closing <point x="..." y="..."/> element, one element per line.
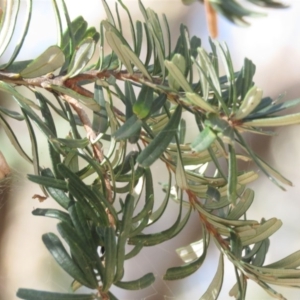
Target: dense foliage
<point x="98" y="190"/>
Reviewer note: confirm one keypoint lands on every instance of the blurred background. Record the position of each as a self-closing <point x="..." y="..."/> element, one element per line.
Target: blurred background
<point x="273" y="44"/>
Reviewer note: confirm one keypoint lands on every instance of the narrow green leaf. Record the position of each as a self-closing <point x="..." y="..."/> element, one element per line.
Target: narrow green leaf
<point x="35" y="118"/>
<point x="139" y="37"/>
<point x="250" y="102"/>
<point x="59" y="23"/>
<point x="81" y="226"/>
<point x="262" y="232"/>
<point x="149" y="44"/>
<point x="72" y="43"/>
<point x="28" y="294"/>
<point x="290" y="262"/>
<point x="125" y="227"/>
<point x="48" y="181"/>
<point x="187" y="269"/>
<point x="73" y="35"/>
<point x="160" y="237"/>
<point x="208" y="69"/>
<point x="158" y="103"/>
<point x="92" y="33"/>
<point x="84" y="256"/>
<point x="131" y="24"/>
<point x="100" y="119"/>
<point x="8" y="22"/>
<point x="129" y="128"/>
<point x="180" y="176"/>
<point x="71" y="161"/>
<point x="82" y="55"/>
<point x="135" y="251"/>
<point x="88" y="206"/>
<point x="246" y="75"/>
<point x="49" y="61"/>
<point x="135" y="60"/>
<point x="200" y="102"/>
<point x="203" y="140"/>
<point x="232" y="175"/>
<point x="158" y="213"/>
<point x="27" y="17"/>
<point x="110" y="257"/>
<point x="142" y="107"/>
<point x="13" y="139"/>
<point x="61" y="256"/>
<point x="188" y="2"/>
<point x="179" y="61"/>
<point x="227" y="62"/>
<point x="224" y="221"/>
<point x="261" y="254"/>
<point x="242" y="206"/>
<point x="48" y="119"/>
<point x="149" y="198"/>
<point x="158" y="145"/>
<point x="10" y="90"/>
<point x="272" y="108"/>
<point x="213" y="291"/>
<point x="156" y="32"/>
<point x="109" y="15"/>
<point x="12" y="114"/>
<point x="88" y="102"/>
<point x="85" y="192"/>
<point x="236" y="244"/>
<point x="34" y="147"/>
<point x="177" y="76"/>
<point x="138" y="284"/>
<point x="58" y="195"/>
<point x="274" y="121"/>
<point x="115" y="43"/>
<point x="16" y="67"/>
<point x="72" y="143"/>
<point x="52" y="213"/>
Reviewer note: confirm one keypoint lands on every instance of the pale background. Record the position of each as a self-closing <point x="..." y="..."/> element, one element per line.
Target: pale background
<point x="273" y="44"/>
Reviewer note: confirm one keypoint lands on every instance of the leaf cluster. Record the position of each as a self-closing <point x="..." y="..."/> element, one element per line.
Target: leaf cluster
<point x="88" y="174"/>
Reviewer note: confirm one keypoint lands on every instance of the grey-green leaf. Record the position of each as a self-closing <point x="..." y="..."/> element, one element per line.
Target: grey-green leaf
<point x="81" y="57"/>
<point x="28" y="294"/>
<point x="251" y="101"/>
<point x="138" y="284"/>
<point x="49" y="61"/>
<point x="177" y="76"/>
<point x="197" y="100"/>
<point x="8" y="23"/>
<point x="159" y="144"/>
<point x="60" y="254"/>
<point x="214" y="288"/>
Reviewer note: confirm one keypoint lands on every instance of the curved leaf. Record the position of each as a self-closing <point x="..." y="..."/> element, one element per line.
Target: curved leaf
<point x="52" y="213"/>
<point x="60" y="254"/>
<point x="28" y="294"/>
<point x="177" y="76"/>
<point x="27" y="17"/>
<point x="8" y="22"/>
<point x="274" y="121"/>
<point x="251" y="101"/>
<point x="159" y="144"/>
<point x="138" y="284"/>
<point x="82" y="55"/>
<point x="180" y="272"/>
<point x="214" y="288"/>
<point x="49" y="61"/>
